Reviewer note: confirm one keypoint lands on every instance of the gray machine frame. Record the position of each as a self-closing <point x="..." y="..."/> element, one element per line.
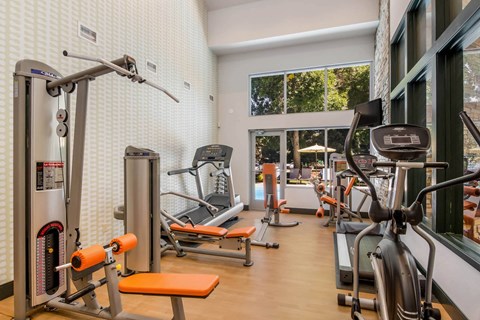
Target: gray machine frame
<point x="47" y="190"/>
<point x="398" y="288"/>
<point x="142" y="212"/>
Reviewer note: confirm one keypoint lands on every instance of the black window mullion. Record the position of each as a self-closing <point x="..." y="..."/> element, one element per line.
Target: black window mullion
<point x="416" y="114"/>
<point x="448" y="95"/>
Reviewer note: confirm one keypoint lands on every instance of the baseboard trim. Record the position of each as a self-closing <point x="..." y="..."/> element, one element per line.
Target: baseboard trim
<point x="6" y="290"/>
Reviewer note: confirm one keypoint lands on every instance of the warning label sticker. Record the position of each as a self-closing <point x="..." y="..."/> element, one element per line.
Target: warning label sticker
<point x="49" y="175"/>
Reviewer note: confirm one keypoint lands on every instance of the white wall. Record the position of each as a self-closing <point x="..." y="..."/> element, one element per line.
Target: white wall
<point x="459" y="280"/>
<point x="233" y="99"/>
<point x="276" y="18"/>
<point x="397" y="10"/>
<point x="171" y="33"/>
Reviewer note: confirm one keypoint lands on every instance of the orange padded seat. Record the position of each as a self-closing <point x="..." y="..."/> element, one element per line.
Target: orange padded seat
<point x="170" y="284"/>
<point x="241" y="232"/>
<point x="199" y="229"/>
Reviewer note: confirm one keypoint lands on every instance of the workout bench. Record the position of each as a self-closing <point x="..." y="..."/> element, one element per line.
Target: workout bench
<point x="176" y="286"/>
<point x="273" y="206"/>
<point x="334" y="204"/>
<point x="229" y="240"/>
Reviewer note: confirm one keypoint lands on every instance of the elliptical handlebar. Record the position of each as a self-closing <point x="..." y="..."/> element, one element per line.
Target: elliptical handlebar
<point x="460" y="180"/>
<point x="349" y="156"/>
<point x="391" y="164"/>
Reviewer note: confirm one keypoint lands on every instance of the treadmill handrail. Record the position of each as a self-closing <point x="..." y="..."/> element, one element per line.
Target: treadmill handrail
<point x="210" y="207"/>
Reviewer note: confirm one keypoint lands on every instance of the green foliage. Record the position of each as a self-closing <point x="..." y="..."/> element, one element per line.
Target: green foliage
<point x="305" y="91"/>
<point x="348" y="87"/>
<point x="267" y="95"/>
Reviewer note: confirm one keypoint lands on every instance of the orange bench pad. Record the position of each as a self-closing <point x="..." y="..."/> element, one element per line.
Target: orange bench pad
<point x="241" y="232"/>
<point x="331" y="201"/>
<point x="170" y="284"/>
<point x="199" y="229"/>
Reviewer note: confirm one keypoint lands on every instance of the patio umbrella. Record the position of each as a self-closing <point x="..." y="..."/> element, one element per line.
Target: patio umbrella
<point x="316" y="148"/>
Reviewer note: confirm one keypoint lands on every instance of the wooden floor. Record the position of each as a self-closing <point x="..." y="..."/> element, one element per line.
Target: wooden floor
<point x="297" y="281"/>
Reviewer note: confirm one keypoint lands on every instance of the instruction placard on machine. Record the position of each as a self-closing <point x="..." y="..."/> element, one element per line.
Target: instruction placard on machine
<point x="49" y="175"/>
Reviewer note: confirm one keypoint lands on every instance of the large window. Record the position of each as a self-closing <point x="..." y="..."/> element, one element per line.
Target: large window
<point x="323" y="89"/>
<point x="436" y="74"/>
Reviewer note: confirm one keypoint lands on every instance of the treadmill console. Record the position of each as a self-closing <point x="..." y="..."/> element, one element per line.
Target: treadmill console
<point x="365" y="162"/>
<point x="401" y="141"/>
<point x="213" y="153"/>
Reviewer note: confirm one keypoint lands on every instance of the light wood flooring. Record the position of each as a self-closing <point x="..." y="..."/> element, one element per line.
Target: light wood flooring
<point x="297" y="281"/>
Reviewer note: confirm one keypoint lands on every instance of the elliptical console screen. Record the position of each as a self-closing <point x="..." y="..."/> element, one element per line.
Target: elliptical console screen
<point x="401" y="141"/>
<point x="365" y="162"/>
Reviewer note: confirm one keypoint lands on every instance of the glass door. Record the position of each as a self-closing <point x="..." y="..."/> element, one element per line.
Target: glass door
<point x="266" y="147"/>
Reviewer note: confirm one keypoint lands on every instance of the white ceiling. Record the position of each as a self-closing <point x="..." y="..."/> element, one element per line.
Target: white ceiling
<point x="221" y="4"/>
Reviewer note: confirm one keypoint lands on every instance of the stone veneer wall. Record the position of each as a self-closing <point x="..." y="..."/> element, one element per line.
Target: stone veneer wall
<point x="382" y="73"/>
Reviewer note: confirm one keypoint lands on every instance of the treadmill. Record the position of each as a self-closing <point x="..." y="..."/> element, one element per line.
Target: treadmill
<point x="346" y="231"/>
<point x="216" y="158"/>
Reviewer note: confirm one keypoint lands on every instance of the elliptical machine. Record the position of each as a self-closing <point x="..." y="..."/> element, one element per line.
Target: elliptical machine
<point x="396" y="277"/>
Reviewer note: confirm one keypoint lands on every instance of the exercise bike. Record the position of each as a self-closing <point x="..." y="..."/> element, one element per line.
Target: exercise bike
<point x="395" y="272"/>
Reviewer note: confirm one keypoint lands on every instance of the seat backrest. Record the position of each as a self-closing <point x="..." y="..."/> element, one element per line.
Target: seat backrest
<point x="306" y="173"/>
<point x="294" y="173"/>
<point x="269" y="173"/>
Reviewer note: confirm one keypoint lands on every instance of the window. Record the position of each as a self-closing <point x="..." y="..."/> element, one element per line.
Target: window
<point x="322" y="89"/>
<point x="471" y="150"/>
<point x="267" y="95"/>
<point x="436" y="74"/>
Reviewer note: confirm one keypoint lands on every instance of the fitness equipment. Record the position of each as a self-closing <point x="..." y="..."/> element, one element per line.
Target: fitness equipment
<point x="338" y="164"/>
<point x="229" y="205"/>
<point x="273" y="206"/>
<point x="47" y="192"/>
<point x="141" y="212"/>
<point x="398" y="289"/>
<point x="346" y="231"/>
<point x="175" y="286"/>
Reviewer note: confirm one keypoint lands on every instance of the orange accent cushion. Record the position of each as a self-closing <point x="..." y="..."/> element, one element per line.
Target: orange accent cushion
<point x="331" y="201"/>
<point x="199" y="229"/>
<point x="471" y="191"/>
<point x="241" y="232"/>
<point x="170" y="284"/>
<point x="350" y="186"/>
<point x="89" y="257"/>
<point x="469" y="205"/>
<point x="270" y="169"/>
<point x="126" y="242"/>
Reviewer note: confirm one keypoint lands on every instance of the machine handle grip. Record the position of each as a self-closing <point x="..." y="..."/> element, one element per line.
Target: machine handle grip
<point x="178" y="171"/>
<point x="131" y="74"/>
<point x="438" y="165"/>
<point x="391" y="164"/>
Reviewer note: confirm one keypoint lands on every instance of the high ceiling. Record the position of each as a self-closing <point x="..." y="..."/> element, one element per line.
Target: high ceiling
<point x="220" y="4"/>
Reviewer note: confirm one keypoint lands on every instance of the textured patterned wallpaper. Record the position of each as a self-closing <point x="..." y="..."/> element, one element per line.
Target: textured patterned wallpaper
<point x="171" y="33"/>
